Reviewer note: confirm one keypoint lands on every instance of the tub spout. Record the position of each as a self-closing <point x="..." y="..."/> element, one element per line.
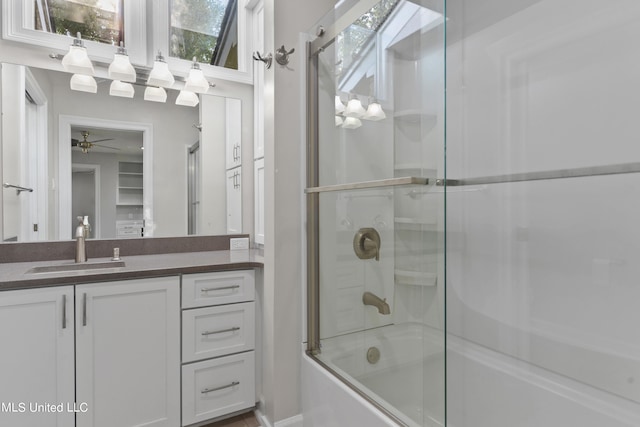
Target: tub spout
<point x="381" y="304"/>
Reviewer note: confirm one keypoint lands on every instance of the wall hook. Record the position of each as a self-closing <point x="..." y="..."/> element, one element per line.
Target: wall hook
<point x="257" y="56"/>
<point x="282" y="55"/>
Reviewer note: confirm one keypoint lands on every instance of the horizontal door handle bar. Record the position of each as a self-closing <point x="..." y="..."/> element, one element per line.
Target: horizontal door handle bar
<point x="220" y="331"/>
<point x="391" y="182"/>
<point x="209" y="390"/>
<point x="222" y="288"/>
<point x="614" y="169"/>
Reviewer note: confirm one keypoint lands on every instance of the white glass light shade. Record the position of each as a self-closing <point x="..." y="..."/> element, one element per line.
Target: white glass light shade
<point x="122" y="89"/>
<point x="83" y="83"/>
<point x="155" y="94"/>
<point x="121" y="69"/>
<point x="354" y="108"/>
<point x="188" y="99"/>
<point x="160" y="74"/>
<point x="374" y="112"/>
<point x="351" y="123"/>
<point x="339" y="121"/>
<point x="77" y="61"/>
<point x="339" y="105"/>
<point x="196" y="82"/>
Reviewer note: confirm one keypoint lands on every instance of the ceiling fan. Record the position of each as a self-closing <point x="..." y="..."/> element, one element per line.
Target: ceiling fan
<point x="85" y="144"/>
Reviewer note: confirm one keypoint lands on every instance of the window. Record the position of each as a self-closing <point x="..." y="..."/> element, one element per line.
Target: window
<point x="206" y="30"/>
<point x="101" y="21"/>
<point x="214" y="31"/>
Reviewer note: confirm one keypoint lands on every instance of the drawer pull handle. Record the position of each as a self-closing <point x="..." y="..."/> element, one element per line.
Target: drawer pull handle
<point x="221" y="331"/>
<point x="64" y="312"/>
<point x="209" y="390"/>
<point x="222" y="288"/>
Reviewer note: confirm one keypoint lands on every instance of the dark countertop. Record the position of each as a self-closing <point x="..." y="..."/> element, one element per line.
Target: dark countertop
<point x="15" y="275"/>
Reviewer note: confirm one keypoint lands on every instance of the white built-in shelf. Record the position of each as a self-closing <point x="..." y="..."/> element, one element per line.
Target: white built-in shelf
<point x="130" y="184"/>
<point x="414" y="115"/>
<point x="415" y="278"/>
<point x="403" y="223"/>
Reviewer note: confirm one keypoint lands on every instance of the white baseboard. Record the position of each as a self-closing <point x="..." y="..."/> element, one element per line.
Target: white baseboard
<point x="295" y="421"/>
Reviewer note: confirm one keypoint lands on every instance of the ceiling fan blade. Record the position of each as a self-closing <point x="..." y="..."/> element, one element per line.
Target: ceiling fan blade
<point x="106" y="146"/>
<point x="74" y="142"/>
<point x="101" y="140"/>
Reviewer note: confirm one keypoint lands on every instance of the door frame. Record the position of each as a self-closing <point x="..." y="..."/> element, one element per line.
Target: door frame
<point x="64" y="166"/>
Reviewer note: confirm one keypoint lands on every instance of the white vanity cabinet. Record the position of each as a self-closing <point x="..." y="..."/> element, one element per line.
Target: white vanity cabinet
<point x="218" y="343"/>
<point x="36" y="357"/>
<point x="127" y="353"/>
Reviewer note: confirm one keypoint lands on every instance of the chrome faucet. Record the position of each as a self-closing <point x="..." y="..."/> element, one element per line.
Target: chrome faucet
<point x="82" y="231"/>
<point x="381" y="304"/>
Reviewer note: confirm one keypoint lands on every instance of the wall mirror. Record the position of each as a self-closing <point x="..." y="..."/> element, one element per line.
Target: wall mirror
<point x="136" y="168"/>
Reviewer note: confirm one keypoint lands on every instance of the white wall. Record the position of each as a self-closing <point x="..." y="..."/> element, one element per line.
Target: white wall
<point x="284" y="182"/>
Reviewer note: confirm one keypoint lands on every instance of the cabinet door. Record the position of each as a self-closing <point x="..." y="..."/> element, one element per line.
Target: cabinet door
<point x="233" y="132"/>
<point x="258" y="176"/>
<point x="234" y="201"/>
<point x="127" y="353"/>
<point x="36" y="359"/>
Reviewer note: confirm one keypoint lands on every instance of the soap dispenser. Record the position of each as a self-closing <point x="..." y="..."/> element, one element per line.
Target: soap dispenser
<point x="81" y="235"/>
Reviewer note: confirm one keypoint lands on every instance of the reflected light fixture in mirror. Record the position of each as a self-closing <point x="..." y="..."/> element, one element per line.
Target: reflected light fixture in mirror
<point x="354" y="107"/>
<point x="122" y="89"/>
<point x="188" y="99"/>
<point x="196" y="82"/>
<point x="121" y="68"/>
<point x="339" y="121"/>
<point x="155" y="94"/>
<point x="160" y="74"/>
<point x="351" y="123"/>
<point x="339" y="105"/>
<point x="374" y="111"/>
<point x="83" y="83"/>
<point x="77" y="60"/>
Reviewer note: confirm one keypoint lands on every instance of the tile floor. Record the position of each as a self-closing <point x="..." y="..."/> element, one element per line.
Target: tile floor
<point x="244" y="420"/>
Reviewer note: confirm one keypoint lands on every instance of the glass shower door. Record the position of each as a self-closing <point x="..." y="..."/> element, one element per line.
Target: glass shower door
<point x="375" y="204"/>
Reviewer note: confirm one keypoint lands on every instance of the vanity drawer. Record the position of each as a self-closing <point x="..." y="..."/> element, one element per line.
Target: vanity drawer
<point x="203" y="289"/>
<point x="216" y="331"/>
<point x="217" y="387"/>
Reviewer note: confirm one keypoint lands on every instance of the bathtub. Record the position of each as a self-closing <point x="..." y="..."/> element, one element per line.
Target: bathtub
<point x="483" y="388"/>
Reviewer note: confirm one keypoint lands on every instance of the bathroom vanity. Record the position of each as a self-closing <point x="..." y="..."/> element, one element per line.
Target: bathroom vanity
<point x="163" y="340"/>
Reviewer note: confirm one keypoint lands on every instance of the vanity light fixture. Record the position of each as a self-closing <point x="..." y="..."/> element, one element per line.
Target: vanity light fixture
<point x="196" y="82"/>
<point x="155" y="94"/>
<point x="354" y="107"/>
<point x="339" y="121"/>
<point x="77" y="60"/>
<point x="83" y="83"/>
<point x="351" y="123"/>
<point x="339" y="105"/>
<point x="121" y="68"/>
<point x="122" y="89"/>
<point x="374" y="111"/>
<point x="188" y="99"/>
<point x="160" y="74"/>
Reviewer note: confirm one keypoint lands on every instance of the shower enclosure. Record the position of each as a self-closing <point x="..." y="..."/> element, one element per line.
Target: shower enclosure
<point x="472" y="254"/>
